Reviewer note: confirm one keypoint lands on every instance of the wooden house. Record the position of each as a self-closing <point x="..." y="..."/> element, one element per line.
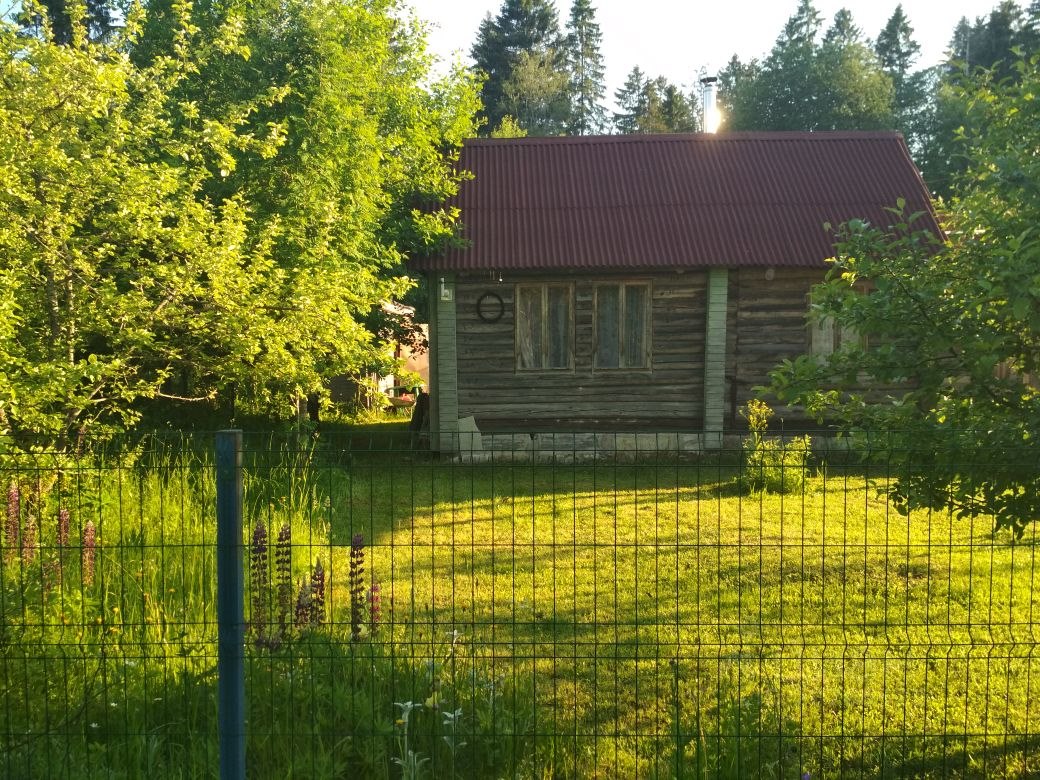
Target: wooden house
<point x="642" y="284"/>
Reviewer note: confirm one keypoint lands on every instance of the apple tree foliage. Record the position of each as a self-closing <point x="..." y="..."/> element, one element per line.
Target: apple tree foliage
<point x="949" y="328"/>
<point x="213" y="198"/>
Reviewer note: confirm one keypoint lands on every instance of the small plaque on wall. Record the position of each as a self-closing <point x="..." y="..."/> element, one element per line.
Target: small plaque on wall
<point x="490" y="307"/>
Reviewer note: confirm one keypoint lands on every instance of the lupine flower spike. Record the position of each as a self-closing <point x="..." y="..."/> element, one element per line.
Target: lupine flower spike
<point x="64" y="516"/>
<point x="283" y="570"/>
<point x="260" y="579"/>
<point x="89" y="549"/>
<point x="11" y="523"/>
<point x="356" y="584"/>
<point x="318" y="594"/>
<point x="30" y="540"/>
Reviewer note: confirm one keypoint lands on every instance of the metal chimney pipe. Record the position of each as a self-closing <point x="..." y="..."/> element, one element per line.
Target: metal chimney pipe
<point x="709" y="110"/>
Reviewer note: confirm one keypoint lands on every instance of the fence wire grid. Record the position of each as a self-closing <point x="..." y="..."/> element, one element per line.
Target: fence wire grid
<point x="568" y="613"/>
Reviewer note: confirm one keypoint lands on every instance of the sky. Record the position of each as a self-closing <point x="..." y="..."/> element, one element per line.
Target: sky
<point x="677" y="38"/>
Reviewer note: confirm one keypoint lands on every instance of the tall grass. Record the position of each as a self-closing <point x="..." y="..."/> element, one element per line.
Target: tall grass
<point x="480" y="620"/>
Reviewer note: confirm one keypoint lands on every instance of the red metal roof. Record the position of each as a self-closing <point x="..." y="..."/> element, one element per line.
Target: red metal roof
<point x="651" y="201"/>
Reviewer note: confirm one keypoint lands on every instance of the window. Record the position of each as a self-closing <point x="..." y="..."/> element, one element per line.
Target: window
<point x="825" y="336"/>
<point x="544" y="326"/>
<point x="622" y="317"/>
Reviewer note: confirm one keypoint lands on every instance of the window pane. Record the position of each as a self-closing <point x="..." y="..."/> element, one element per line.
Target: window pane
<point x="607" y="316"/>
<point x="821" y="336"/>
<point x="559" y="331"/>
<point x="529" y="326"/>
<point x="634" y="351"/>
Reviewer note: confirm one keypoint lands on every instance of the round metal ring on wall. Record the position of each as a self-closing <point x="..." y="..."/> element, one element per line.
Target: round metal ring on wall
<point x="490" y="307"/>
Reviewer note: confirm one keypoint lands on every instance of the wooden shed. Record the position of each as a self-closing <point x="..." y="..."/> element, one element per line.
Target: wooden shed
<point x="644" y="283"/>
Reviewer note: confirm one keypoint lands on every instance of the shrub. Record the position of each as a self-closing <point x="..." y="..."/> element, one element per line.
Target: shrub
<point x="771" y="463"/>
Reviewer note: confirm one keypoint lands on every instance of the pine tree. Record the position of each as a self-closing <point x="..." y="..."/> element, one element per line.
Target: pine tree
<point x="530" y="26"/>
<point x="586" y="71"/>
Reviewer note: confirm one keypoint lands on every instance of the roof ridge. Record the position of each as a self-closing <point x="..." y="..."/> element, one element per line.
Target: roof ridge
<point x="643" y="138"/>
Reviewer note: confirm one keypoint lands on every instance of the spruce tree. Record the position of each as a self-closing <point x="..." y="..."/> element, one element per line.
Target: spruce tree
<point x="896" y="47"/>
<point x="789" y="90"/>
<point x="897" y="51"/>
<point x="98" y="18"/>
<point x="530" y="26"/>
<point x="631" y="102"/>
<point x="585" y="69"/>
<point x="808" y="85"/>
<point x="843" y="30"/>
<point x="853" y="92"/>
<point x="677" y="110"/>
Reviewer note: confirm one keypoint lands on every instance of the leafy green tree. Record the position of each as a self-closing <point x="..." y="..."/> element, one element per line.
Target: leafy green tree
<point x="58" y="18"/>
<point x="355" y="187"/>
<point x="205" y="216"/>
<point x="536" y="95"/>
<point x="586" y="70"/>
<point x="530" y="26"/>
<point x="990" y="44"/>
<point x="951" y="327"/>
<point x="117" y="271"/>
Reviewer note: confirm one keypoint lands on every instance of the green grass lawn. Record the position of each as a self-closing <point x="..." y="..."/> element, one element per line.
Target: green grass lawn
<point x="670" y="625"/>
<point x="537" y="620"/>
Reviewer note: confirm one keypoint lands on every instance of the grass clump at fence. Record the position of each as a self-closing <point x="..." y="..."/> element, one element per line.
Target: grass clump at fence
<point x="771" y="463"/>
<point x="413" y="618"/>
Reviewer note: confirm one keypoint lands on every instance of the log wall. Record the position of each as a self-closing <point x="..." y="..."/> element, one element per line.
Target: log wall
<point x="667" y="395"/>
<point x="766" y="326"/>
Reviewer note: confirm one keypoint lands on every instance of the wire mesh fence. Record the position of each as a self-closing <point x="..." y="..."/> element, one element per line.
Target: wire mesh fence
<point x="578" y="608"/>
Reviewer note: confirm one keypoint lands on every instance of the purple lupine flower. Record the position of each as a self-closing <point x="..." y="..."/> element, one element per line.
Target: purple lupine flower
<point x="356" y="585"/>
<point x="88" y="552"/>
<point x="12" y="523"/>
<point x="30" y="540"/>
<point x="317" y="616"/>
<point x="260" y="579"/>
<point x="303" y="604"/>
<point x="51" y="574"/>
<point x="283" y="570"/>
<point x="64" y="517"/>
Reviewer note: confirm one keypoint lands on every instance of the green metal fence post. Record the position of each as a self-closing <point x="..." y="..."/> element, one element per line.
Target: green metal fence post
<point x="230" y="614"/>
